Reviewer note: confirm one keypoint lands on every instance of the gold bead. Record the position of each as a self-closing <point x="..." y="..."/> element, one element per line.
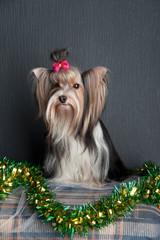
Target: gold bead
<point x="27" y="174"/>
<point x="14" y="171"/>
<point x="10" y="184"/>
<point x="47" y="199"/>
<point x="100" y="214"/>
<point x="43" y="189"/>
<point x="93" y="222"/>
<point x="124" y="191"/>
<point x="110" y="212"/>
<point x="3" y="190"/>
<point x="157" y="191"/>
<point x="133" y="191"/>
<point x="158" y="177"/>
<point x="87" y="216"/>
<point x="69" y="225"/>
<point x="38" y="183"/>
<point x="147" y="191"/>
<point x="3" y="177"/>
<point x="75" y="219"/>
<point x="119" y="202"/>
<point x="60" y="219"/>
<point x="46" y="205"/>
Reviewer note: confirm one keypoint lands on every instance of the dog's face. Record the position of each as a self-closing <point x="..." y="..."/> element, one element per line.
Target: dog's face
<point x="69" y="101"/>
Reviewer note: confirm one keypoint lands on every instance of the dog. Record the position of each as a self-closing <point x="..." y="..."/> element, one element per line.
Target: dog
<point x="80" y="148"/>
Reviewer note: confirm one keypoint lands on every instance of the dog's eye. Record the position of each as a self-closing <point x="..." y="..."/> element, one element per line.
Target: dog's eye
<point x="57" y="85"/>
<point x="76" y="85"/>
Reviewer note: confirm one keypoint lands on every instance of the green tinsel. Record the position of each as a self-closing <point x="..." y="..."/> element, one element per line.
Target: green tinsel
<point x="66" y="220"/>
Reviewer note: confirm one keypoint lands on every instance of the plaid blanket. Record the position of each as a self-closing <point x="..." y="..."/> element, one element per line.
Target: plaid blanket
<point x="23" y="224"/>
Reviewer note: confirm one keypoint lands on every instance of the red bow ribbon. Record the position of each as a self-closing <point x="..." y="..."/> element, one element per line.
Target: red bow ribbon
<point x="64" y="64"/>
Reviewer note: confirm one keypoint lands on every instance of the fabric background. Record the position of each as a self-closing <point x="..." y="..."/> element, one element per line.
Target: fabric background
<point x="122" y="35"/>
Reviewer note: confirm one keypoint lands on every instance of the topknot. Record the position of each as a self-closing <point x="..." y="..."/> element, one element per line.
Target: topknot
<point x="59" y="55"/>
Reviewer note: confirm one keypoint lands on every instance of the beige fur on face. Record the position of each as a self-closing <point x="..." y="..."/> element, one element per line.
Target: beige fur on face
<point x="57" y="115"/>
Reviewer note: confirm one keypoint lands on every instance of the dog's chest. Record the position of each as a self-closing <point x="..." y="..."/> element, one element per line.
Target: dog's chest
<point x="80" y="164"/>
<point x="77" y="164"/>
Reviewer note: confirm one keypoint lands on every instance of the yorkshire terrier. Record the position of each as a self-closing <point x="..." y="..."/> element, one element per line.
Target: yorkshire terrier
<point x="79" y="146"/>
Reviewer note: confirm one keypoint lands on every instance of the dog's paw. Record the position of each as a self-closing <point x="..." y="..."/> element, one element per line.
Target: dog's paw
<point x="96" y="184"/>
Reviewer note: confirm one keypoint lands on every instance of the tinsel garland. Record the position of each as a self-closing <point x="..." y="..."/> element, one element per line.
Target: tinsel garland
<point x="79" y="219"/>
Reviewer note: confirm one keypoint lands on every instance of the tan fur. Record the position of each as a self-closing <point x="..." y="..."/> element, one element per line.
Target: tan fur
<point x="97" y="91"/>
<point x="68" y="122"/>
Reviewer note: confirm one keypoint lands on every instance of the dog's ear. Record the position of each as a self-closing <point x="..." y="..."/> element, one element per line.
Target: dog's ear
<point x="38" y="71"/>
<point x="41" y="88"/>
<point x="95" y="84"/>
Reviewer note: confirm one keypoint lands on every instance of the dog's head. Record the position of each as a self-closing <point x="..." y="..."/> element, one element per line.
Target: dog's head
<point x="71" y="102"/>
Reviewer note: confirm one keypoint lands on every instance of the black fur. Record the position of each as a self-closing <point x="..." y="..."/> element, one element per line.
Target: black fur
<point x="59" y="55"/>
<point x="117" y="170"/>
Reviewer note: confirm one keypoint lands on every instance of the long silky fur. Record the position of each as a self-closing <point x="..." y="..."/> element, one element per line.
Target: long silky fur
<point x="79" y="147"/>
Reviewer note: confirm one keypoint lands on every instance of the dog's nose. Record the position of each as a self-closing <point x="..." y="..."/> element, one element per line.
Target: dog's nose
<point x="62" y="99"/>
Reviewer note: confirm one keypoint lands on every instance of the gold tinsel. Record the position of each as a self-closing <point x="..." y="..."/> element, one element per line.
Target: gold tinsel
<point x="65" y="220"/>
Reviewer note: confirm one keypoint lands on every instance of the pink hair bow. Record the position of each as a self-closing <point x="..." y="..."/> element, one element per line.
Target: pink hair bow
<point x="64" y="64"/>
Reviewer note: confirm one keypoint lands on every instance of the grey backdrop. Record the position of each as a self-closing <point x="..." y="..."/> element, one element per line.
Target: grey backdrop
<point x="123" y="35"/>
